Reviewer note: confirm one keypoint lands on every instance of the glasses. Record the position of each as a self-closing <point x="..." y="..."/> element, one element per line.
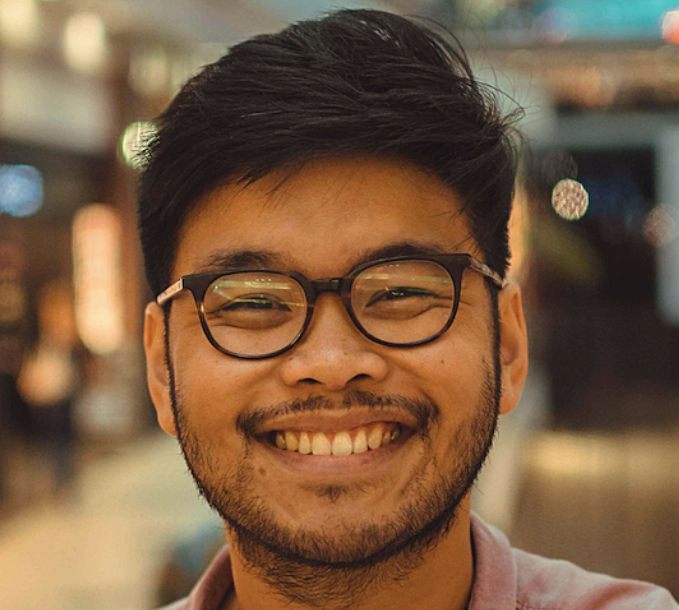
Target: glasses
<point x="260" y="313"/>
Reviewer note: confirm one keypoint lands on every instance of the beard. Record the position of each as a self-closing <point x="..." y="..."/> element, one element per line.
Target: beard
<point x="324" y="568"/>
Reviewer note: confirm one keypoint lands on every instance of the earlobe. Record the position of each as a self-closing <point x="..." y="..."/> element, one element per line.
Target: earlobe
<point x="513" y="346"/>
<point x="156" y="368"/>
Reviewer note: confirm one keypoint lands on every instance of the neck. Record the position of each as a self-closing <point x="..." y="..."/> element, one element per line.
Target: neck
<point x="441" y="581"/>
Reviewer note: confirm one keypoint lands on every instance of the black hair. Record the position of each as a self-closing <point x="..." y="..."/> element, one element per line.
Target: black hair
<point x="354" y="82"/>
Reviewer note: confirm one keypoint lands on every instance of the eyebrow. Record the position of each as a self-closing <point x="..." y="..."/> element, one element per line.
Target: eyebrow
<point x="233" y="259"/>
<point x="248" y="259"/>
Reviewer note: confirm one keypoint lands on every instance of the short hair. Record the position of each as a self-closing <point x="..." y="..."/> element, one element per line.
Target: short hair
<point x="353" y="82"/>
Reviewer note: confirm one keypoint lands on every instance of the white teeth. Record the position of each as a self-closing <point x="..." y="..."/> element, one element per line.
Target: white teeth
<point x="320" y="445"/>
<point x="304" y="443"/>
<point x="361" y="442"/>
<point x="291" y="442"/>
<point x="375" y="438"/>
<point x="341" y="444"/>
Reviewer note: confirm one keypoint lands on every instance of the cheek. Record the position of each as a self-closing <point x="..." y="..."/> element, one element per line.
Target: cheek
<point x="453" y="372"/>
<point x="213" y="388"/>
<point x="454" y="363"/>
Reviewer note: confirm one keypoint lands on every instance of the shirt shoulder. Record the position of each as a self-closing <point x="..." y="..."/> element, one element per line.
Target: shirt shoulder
<point x="510" y="579"/>
<point x="553" y="584"/>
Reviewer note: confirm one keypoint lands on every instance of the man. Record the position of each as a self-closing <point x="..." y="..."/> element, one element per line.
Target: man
<point x="324" y="220"/>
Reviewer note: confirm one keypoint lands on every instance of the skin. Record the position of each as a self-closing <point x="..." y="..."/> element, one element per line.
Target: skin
<point x="319" y="222"/>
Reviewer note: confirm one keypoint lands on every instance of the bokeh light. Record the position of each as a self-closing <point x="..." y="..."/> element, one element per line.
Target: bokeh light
<point x="134" y="139"/>
<point x="661" y="225"/>
<point x="84" y="42"/>
<point x="570" y="199"/>
<point x="97" y="232"/>
<point x="22" y="190"/>
<point x="595" y="87"/>
<point x="558" y="24"/>
<point x="150" y="70"/>
<point x="19" y="22"/>
<point x="670" y="27"/>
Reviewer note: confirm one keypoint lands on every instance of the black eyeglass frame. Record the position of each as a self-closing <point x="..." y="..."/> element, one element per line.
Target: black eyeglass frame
<point x="455" y="264"/>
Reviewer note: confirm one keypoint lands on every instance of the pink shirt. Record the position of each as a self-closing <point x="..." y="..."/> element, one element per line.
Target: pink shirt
<point x="504" y="579"/>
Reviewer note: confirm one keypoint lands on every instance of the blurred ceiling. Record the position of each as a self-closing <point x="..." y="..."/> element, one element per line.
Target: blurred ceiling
<point x="587" y="54"/>
<point x="227" y="21"/>
<point x="504" y="22"/>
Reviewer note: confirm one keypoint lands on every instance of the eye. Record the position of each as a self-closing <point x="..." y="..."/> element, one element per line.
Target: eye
<point x="255" y="302"/>
<point x="399" y="293"/>
<point x="250" y="311"/>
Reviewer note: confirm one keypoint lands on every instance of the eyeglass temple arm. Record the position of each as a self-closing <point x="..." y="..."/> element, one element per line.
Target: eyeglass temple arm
<point x="484" y="269"/>
<point x="170" y="292"/>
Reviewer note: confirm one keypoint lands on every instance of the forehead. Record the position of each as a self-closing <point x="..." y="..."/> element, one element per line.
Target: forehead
<point x="322" y="219"/>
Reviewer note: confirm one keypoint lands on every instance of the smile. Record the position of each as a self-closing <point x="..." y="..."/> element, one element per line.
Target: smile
<point x="341" y="443"/>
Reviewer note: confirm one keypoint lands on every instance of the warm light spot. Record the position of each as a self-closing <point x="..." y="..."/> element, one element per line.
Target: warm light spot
<point x="84" y="42"/>
<point x="134" y="139"/>
<point x="570" y="199"/>
<point x="670" y="26"/>
<point x="149" y="72"/>
<point x="594" y="87"/>
<point x="21" y="190"/>
<point x="19" y="22"/>
<point x="661" y="225"/>
<point x="97" y="234"/>
<point x="565" y="455"/>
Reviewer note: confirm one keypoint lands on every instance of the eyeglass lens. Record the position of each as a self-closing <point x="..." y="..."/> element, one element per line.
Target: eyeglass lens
<point x="256" y="313"/>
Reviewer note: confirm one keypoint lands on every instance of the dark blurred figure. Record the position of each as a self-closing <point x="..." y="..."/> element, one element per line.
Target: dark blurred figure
<point x="14" y="417"/>
<point x="49" y="379"/>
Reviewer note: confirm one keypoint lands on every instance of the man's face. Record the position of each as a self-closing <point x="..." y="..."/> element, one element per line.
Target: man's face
<point x="443" y="397"/>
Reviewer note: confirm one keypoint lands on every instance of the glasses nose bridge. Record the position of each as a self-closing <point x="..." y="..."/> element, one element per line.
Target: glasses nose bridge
<point x="332" y="285"/>
<point x="329" y="284"/>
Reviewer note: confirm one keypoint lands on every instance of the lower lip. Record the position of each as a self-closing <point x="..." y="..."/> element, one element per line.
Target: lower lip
<point x="340" y="466"/>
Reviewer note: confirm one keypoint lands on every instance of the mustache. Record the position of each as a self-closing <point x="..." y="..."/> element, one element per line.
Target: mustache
<point x="424" y="410"/>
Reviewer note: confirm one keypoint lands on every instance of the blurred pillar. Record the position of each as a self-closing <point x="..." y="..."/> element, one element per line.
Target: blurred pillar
<point x="120" y="187"/>
<point x="667" y="259"/>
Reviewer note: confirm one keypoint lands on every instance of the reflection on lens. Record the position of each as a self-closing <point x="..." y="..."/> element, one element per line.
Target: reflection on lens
<point x="254" y="313"/>
<point x="403" y="302"/>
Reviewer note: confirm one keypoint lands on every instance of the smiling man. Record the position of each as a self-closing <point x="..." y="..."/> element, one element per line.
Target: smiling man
<point x="324" y="220"/>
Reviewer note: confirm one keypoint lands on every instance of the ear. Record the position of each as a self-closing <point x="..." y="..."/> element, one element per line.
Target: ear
<point x="513" y="346"/>
<point x="157" y="375"/>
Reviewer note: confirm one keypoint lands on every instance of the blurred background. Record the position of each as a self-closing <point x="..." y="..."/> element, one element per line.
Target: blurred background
<point x="96" y="508"/>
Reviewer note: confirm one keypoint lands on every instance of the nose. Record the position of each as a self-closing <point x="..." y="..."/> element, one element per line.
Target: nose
<point x="333" y="353"/>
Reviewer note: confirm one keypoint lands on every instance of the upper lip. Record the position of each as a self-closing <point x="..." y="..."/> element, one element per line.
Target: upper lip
<point x="336" y="420"/>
